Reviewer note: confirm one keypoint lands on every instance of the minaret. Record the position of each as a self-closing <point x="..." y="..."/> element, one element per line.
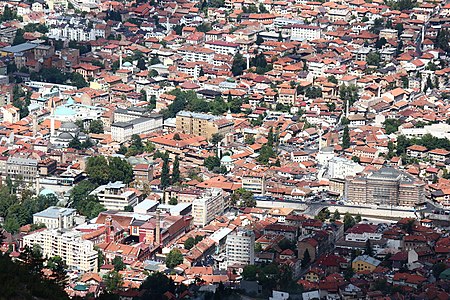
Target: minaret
<point x="248" y="60"/>
<point x="34" y="125"/>
<point x="52" y="118"/>
<point x="38" y="185"/>
<point x="346" y="108"/>
<point x="320" y="138"/>
<point x="120" y="58"/>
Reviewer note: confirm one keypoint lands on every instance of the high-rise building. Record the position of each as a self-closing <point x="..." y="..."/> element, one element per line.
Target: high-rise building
<point x="240" y="248"/>
<point x="207" y="207"/>
<point x="78" y="253"/>
<point x="387" y="186"/>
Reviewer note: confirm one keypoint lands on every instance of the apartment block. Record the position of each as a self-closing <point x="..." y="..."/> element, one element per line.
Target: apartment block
<point x="240" y="248"/>
<point x="207" y="207"/>
<point x="78" y="254"/>
<point x="202" y="124"/>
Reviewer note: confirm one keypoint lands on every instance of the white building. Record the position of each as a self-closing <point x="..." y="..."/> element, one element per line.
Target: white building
<point x="223" y="47"/>
<point x="78" y="254"/>
<point x="115" y="196"/>
<point x="195" y="53"/>
<point x="240" y="248"/>
<point x="339" y="167"/>
<point x="134" y="120"/>
<point x="207" y="207"/>
<point x="255" y="183"/>
<point x="56" y="217"/>
<point x="300" y="32"/>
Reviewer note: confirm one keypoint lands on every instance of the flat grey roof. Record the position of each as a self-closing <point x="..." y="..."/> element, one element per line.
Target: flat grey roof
<point x="19" y="48"/>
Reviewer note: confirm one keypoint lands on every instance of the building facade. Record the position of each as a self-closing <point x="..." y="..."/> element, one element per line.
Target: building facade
<point x="56" y="217"/>
<point x="207" y="207"/>
<point x="255" y="183"/>
<point x="240" y="248"/>
<point x="78" y="254"/>
<point x="202" y="124"/>
<point x="115" y="196"/>
<point x="386" y="186"/>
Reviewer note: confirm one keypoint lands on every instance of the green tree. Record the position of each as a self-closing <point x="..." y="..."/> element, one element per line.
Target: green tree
<point x="120" y="170"/>
<point x="176" y="171"/>
<point x="173" y="201"/>
<point x="349" y="221"/>
<point x="58" y="266"/>
<point x="391" y="125"/>
<point x="118" y="263"/>
<point x="358" y="218"/>
<point x="76" y="79"/>
<point x="75" y="143"/>
<point x="155" y="285"/>
<point x="368" y="249"/>
<point x="402" y="144"/>
<point x="373" y="59"/>
<point x="165" y="177"/>
<point x="212" y="162"/>
<point x="113" y="281"/>
<point x="216" y="138"/>
<point x="189" y="243"/>
<point x="239" y="65"/>
<point x="97" y="169"/>
<point x="336" y="215"/>
<point x="443" y="39"/>
<point x="250" y="272"/>
<point x="96" y="126"/>
<point x="174" y="258"/>
<point x="346" y="138"/>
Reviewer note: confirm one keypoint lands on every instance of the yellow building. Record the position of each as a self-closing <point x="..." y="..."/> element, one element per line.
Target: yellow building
<point x="202" y="124"/>
<point x="365" y="263"/>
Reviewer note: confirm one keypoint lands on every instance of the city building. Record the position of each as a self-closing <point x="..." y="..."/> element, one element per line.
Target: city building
<point x="56" y="217"/>
<point x="77" y="253"/>
<point x="115" y="195"/>
<point x="240" y="248"/>
<point x="365" y="263"/>
<point x="255" y="183"/>
<point x="133" y="120"/>
<point x="339" y="167"/>
<point x="209" y="205"/>
<point x="202" y="124"/>
<point x="387" y="186"/>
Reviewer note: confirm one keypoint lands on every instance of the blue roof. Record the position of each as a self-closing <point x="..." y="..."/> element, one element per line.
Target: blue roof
<point x="46" y="192"/>
<point x="70" y="101"/>
<point x="64" y="111"/>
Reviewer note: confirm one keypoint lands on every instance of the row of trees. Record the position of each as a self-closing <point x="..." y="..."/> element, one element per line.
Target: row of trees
<point x="166" y="179"/>
<point x="188" y="100"/>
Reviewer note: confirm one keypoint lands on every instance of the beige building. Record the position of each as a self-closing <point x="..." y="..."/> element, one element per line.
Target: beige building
<point x="11" y="114"/>
<point x="387" y="186"/>
<point x="202" y="124"/>
<point x="78" y="254"/>
<point x="56" y="217"/>
<point x="255" y="183"/>
<point x="207" y="207"/>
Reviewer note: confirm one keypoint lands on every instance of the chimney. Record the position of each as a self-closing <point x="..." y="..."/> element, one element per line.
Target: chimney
<point x="60" y="222"/>
<point x="158" y="228"/>
<point x="108" y="229"/>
